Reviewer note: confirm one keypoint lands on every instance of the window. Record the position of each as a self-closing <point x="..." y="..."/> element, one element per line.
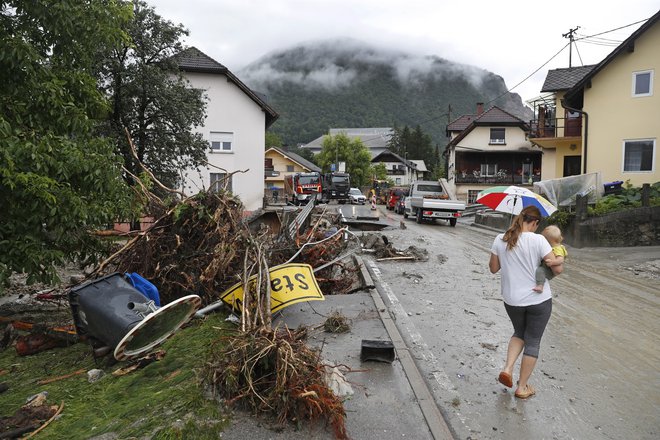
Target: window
<point x="472" y="196"/>
<point x="289" y="168"/>
<point x="497" y="136"/>
<point x="488" y="169"/>
<point x="642" y="83"/>
<point x="638" y="155"/>
<point x="220" y="181"/>
<point x="398" y="181"/>
<point x="221" y="142"/>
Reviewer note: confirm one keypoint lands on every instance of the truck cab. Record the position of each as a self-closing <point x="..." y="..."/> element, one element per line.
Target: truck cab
<point x="336" y="187"/>
<point x="300" y="188"/>
<point x="431" y="200"/>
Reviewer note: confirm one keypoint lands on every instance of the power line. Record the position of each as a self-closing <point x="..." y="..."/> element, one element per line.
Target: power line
<point x="613" y="30"/>
<point x="530" y="75"/>
<point x="555" y="55"/>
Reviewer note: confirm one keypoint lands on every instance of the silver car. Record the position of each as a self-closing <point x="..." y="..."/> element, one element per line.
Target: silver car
<point x="356" y="196"/>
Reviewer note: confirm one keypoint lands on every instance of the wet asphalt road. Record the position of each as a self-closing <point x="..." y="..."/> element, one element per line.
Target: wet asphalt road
<point x="597" y="375"/>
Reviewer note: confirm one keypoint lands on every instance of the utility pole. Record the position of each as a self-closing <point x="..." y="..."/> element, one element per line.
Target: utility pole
<point x="569" y="35"/>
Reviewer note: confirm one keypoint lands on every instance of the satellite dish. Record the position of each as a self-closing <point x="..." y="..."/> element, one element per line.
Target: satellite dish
<point x="111" y="310"/>
<point x="157" y="327"/>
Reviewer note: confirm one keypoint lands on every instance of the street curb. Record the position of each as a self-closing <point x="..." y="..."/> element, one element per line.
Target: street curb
<point x="434" y="419"/>
<point x="367" y="281"/>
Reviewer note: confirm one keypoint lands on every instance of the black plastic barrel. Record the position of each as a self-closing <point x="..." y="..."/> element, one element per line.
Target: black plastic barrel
<point x="104" y="308"/>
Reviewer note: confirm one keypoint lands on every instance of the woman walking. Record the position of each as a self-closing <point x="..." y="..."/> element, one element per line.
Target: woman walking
<point x="517" y="253"/>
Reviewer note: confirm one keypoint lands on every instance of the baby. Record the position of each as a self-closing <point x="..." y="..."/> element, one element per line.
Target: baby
<point x="551" y="266"/>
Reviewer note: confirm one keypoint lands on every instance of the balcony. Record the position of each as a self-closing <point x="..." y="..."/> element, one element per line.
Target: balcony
<point x="555" y="128"/>
<point x="500" y="179"/>
<point x="396" y="172"/>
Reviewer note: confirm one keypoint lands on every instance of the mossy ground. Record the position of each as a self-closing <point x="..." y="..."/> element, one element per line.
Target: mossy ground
<point x="164" y="400"/>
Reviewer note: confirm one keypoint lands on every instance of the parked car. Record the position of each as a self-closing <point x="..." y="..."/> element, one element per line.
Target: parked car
<point x="394" y="195"/>
<point x="356" y="196"/>
<point x="399" y="206"/>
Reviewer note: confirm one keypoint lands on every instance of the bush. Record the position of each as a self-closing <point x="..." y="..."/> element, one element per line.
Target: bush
<point x="561" y="219"/>
<point x="630" y="197"/>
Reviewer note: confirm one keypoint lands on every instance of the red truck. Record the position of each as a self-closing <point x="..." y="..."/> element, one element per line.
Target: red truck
<point x="300" y="188"/>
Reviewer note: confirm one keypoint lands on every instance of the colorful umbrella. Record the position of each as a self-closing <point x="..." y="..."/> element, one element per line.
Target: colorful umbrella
<point x="513" y="199"/>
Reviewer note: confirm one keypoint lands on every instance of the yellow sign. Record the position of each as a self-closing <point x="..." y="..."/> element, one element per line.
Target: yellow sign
<point x="289" y="284"/>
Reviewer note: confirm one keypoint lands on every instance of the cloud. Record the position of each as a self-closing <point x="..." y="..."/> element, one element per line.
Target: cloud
<point x="332" y="64"/>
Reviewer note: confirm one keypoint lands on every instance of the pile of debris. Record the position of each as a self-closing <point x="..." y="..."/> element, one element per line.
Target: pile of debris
<point x="383" y="249"/>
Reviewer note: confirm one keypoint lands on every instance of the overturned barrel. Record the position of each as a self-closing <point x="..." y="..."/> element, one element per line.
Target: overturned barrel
<point x="111" y="310"/>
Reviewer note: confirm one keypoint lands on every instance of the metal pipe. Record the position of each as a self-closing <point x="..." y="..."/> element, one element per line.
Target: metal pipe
<point x="586" y="133"/>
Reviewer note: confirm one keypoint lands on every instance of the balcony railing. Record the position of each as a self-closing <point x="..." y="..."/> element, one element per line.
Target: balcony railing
<point x="555" y="128"/>
<point x="396" y="172"/>
<point x="498" y="180"/>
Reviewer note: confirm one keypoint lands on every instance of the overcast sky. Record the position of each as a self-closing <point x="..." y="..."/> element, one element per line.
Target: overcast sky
<point x="511" y="38"/>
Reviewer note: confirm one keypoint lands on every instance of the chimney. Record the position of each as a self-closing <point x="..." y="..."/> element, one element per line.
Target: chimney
<point x="480" y="108"/>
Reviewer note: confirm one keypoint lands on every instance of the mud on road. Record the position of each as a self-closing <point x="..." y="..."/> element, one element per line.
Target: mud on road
<point x="597" y="375"/>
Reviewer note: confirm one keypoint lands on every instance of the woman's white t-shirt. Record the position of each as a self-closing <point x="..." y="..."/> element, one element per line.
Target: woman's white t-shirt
<point x="517" y="267"/>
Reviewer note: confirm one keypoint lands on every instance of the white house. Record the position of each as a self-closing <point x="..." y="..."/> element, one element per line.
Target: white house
<point x="235" y="127"/>
<point x="400" y="170"/>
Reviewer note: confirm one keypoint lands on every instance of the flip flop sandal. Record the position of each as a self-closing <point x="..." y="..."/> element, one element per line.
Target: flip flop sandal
<point x="505" y="379"/>
<point x="529" y="392"/>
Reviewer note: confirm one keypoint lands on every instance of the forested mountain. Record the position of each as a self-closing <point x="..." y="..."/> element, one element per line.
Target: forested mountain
<point x="344" y="83"/>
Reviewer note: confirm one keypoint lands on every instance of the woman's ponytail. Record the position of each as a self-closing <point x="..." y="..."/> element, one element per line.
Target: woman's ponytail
<point x="527" y="215"/>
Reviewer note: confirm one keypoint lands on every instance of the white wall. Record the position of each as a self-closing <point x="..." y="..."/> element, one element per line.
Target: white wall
<point x="230" y="110"/>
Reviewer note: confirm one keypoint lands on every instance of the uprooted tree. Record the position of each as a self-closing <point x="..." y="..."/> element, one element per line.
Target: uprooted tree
<point x="202" y="245"/>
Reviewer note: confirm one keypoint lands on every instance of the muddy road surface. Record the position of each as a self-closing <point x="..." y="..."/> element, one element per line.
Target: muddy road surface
<point x="598" y="375"/>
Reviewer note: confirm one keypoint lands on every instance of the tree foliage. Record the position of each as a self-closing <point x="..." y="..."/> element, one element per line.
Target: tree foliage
<point x="151" y="98"/>
<point x="273" y="140"/>
<point x="341" y="148"/>
<point x="417" y="145"/>
<point x="379" y="172"/>
<point x="57" y="179"/>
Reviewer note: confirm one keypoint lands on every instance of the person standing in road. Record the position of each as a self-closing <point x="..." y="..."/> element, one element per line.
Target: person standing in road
<point x="517" y="253"/>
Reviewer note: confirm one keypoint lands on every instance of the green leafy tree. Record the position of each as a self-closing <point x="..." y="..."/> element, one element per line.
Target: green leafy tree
<point x="151" y="98"/>
<point x="58" y="180"/>
<point x="354" y="153"/>
<point x="379" y="171"/>
<point x="417" y="145"/>
<point x="273" y="140"/>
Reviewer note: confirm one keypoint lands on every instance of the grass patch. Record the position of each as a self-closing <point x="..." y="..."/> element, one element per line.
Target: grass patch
<point x="164" y="400"/>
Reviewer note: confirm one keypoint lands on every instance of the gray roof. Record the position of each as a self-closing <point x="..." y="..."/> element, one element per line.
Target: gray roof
<point x="421" y="166"/>
<point x="565" y="78"/>
<point x="194" y="60"/>
<point x="297" y="158"/>
<point x="370" y="137"/>
<point x="382" y="157"/>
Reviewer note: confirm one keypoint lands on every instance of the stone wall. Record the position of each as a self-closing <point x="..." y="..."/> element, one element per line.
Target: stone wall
<point x="632" y="227"/>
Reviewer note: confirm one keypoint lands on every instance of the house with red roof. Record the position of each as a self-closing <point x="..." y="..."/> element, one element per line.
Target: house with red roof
<point x="488" y="148"/>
